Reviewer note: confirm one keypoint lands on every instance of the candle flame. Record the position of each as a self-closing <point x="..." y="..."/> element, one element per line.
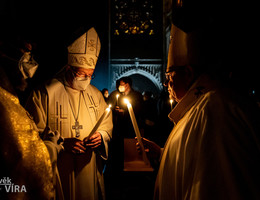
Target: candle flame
<point x="171" y="101"/>
<point x="109" y="107"/>
<point x="117" y="96"/>
<point x="127" y="102"/>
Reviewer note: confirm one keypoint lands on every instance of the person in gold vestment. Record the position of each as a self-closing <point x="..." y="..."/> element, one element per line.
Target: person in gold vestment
<point x="26" y="168"/>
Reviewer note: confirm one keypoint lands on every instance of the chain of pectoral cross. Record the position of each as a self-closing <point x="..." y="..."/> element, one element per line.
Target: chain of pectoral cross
<point x="77" y="126"/>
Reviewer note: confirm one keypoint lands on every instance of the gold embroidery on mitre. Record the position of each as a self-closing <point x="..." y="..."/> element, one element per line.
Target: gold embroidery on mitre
<point x="84" y="51"/>
<point x="92" y="45"/>
<point x="81" y="60"/>
<point x="92" y="61"/>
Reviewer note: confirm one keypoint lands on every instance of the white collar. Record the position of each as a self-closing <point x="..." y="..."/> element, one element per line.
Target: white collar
<point x="201" y="86"/>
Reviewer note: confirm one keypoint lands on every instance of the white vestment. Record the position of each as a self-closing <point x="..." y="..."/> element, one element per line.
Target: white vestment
<point x="81" y="175"/>
<point x="213" y="152"/>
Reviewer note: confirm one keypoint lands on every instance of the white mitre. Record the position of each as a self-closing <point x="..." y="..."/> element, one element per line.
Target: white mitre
<point x="197" y="48"/>
<point x="184" y="49"/>
<point x="84" y="51"/>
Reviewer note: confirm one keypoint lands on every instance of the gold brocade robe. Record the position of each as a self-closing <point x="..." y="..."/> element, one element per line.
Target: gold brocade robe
<point x="81" y="175"/>
<point x="25" y="160"/>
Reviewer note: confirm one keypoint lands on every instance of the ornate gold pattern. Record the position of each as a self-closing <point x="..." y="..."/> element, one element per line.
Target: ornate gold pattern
<point x="21" y="144"/>
<point x="82" y="60"/>
<point x="92" y="45"/>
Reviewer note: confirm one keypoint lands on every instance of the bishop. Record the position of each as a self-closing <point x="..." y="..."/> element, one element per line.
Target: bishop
<point x="70" y="104"/>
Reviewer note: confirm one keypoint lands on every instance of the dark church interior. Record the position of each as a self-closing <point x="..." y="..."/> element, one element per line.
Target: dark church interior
<point x="134" y="37"/>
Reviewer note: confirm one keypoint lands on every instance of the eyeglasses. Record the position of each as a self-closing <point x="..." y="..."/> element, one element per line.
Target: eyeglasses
<point x="82" y="74"/>
<point x="168" y="76"/>
<point x="172" y="72"/>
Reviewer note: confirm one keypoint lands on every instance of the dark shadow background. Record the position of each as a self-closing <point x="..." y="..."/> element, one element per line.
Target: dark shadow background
<point x="52" y="26"/>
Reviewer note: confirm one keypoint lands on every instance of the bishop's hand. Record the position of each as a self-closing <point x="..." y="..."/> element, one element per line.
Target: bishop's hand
<point x="94" y="141"/>
<point x="119" y="110"/>
<point x="153" y="151"/>
<point x="74" y="145"/>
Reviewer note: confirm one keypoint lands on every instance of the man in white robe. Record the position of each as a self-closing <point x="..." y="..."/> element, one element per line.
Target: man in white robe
<point x="213" y="151"/>
<point x="69" y="104"/>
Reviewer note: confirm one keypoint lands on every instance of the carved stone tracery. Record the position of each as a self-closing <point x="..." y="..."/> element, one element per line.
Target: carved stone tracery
<point x="150" y="68"/>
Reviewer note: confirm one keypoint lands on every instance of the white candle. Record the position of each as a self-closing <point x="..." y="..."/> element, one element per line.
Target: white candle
<point x="117" y="99"/>
<point x="105" y="114"/>
<point x="136" y="129"/>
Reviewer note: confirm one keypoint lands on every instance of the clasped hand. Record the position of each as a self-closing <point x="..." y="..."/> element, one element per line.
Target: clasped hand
<point x="119" y="110"/>
<point x="78" y="146"/>
<point x="153" y="151"/>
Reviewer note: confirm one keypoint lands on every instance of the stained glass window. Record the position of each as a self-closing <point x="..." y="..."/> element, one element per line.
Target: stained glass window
<point x="132" y="17"/>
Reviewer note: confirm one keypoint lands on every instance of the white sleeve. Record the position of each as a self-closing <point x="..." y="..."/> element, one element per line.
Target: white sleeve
<point x="37" y="107"/>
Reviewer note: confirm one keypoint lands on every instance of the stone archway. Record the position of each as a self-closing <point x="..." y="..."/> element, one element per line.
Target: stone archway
<point x="143" y="84"/>
<point x="149" y="68"/>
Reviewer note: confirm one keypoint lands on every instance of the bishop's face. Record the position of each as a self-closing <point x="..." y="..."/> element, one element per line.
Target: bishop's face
<point x="82" y="72"/>
<point x="79" y="78"/>
<point x="177" y="83"/>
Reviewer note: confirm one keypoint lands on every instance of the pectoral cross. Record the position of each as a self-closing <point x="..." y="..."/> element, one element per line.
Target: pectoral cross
<point x="77" y="127"/>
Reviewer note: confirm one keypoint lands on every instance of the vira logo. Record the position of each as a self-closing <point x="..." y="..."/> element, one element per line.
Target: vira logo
<point x="11" y="187"/>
